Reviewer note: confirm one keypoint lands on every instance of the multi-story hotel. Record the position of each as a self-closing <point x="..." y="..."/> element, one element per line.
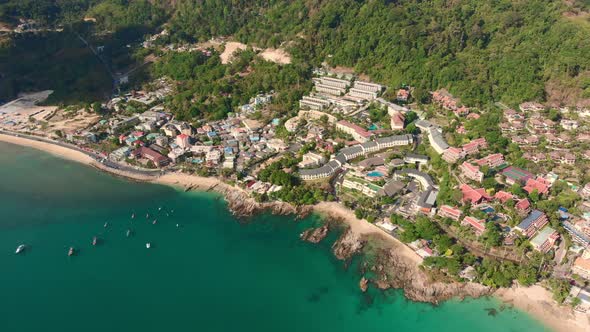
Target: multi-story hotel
<point x="532" y="223"/>
<point x="370" y="95"/>
<point x="545" y="240"/>
<point x="366" y="86"/>
<point x="471" y="172"/>
<point x="358" y="133"/>
<point x="334" y="82"/>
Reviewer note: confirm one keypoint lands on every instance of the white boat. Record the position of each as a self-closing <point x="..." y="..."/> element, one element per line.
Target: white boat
<point x="106" y="224"/>
<point x="128" y="232"/>
<point x="20" y="248"/>
<point x="148" y="245"/>
<point x="155" y="221"/>
<point x="132" y="215"/>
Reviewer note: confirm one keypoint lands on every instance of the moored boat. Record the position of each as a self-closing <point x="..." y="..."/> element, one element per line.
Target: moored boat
<point x="20" y="249"/>
<point x="148" y="245"/>
<point x="72" y="251"/>
<point x="106" y="224"/>
<point x="128" y="234"/>
<point x="155" y="221"/>
<point x="94" y="241"/>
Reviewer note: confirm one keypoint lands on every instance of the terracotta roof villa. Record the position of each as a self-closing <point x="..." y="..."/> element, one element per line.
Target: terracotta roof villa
<point x="447" y="211"/>
<point x="540" y="185"/>
<point x="473" y="195"/>
<point x="523" y="204"/>
<point x="503" y="196"/>
<point x="158" y="159"/>
<point x="478" y="225"/>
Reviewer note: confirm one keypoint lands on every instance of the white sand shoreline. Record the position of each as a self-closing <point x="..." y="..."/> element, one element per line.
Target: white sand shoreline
<point x="534" y="300"/>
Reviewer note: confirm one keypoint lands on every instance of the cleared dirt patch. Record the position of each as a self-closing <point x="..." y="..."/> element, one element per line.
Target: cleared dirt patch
<point x="279" y="56"/>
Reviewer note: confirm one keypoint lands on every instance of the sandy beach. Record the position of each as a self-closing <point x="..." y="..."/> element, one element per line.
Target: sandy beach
<point x="194" y="182"/>
<point x="362" y="227"/>
<point x="56" y="150"/>
<point x="534" y="300"/>
<point x="538" y="302"/>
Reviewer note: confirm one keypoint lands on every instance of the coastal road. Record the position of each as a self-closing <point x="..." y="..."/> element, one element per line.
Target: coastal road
<point x="94" y="155"/>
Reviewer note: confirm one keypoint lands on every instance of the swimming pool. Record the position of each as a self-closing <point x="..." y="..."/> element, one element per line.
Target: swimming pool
<point x="375" y="174"/>
<point x="488" y="209"/>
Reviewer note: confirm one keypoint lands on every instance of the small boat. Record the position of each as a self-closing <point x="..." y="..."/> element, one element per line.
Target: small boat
<point x="106" y="224"/>
<point x="94" y="241"/>
<point x="20" y="249"/>
<point x="160" y="208"/>
<point x="148" y="245"/>
<point x="155" y="221"/>
<point x="72" y="251"/>
<point x="132" y="215"/>
<point x="177" y="225"/>
<point x="147" y="216"/>
<point x="128" y="233"/>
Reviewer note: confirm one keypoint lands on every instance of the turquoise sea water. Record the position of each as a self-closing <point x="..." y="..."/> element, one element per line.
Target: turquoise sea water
<point x="212" y="273"/>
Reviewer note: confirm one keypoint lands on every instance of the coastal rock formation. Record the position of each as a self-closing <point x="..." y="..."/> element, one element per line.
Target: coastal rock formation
<point x="393" y="269"/>
<point x="315" y="235"/>
<point x="364" y="284"/>
<point x="242" y="205"/>
<point x="396" y="271"/>
<point x="347" y="245"/>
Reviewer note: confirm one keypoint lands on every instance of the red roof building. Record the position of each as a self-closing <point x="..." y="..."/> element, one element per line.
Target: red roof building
<point x="471" y="172"/>
<point x="452" y="155"/>
<point x="397" y="121"/>
<point x="158" y="159"/>
<point x="183" y="141"/>
<point x="474" y="196"/>
<point x="523" y="205"/>
<point x="461" y="111"/>
<point x="474" y="146"/>
<point x="478" y="225"/>
<point x="447" y="211"/>
<point x="357" y="132"/>
<point x="445" y="99"/>
<point x="540" y="184"/>
<point x="503" y="196"/>
<point x="403" y="95"/>
<point x="492" y="160"/>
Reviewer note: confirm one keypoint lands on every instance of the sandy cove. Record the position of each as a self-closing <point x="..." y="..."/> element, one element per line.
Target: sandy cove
<point x="534" y="300"/>
<point x="538" y="302"/>
<point x="363" y="228"/>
